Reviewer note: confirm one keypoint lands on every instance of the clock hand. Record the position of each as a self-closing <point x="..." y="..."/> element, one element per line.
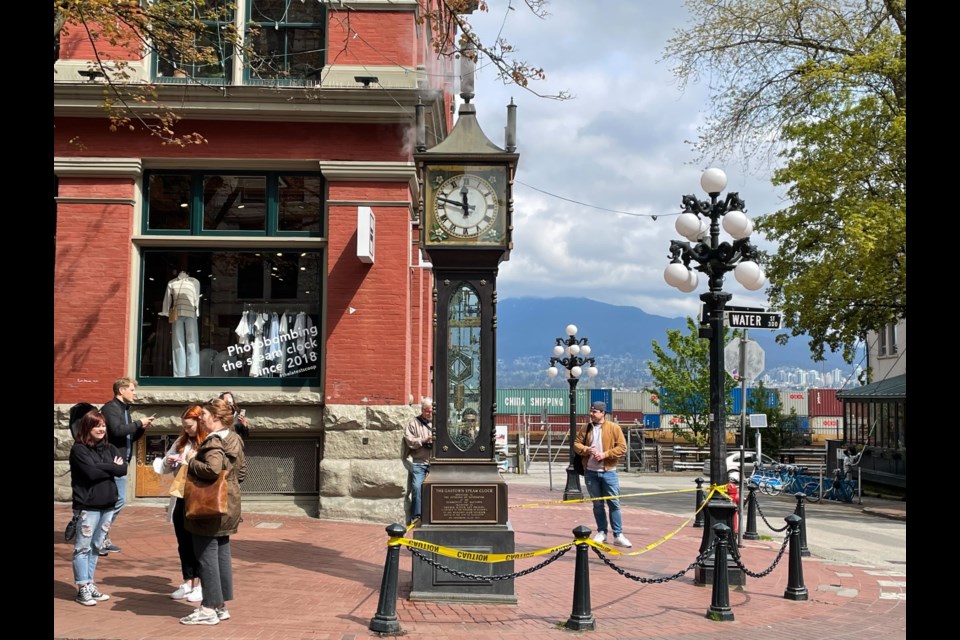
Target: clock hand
<point x="456" y="202"/>
<point x="466" y="204"/>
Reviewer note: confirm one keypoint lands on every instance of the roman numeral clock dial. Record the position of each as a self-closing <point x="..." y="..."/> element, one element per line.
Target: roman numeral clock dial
<point x="466" y="207"/>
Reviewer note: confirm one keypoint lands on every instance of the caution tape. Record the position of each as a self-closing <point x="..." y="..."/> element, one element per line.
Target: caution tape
<point x="473" y="556"/>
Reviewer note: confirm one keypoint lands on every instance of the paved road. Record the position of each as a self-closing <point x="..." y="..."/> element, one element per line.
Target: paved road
<point x="835" y="531"/>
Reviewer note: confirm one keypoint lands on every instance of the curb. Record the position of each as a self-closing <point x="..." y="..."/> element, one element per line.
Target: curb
<point x="891" y="514"/>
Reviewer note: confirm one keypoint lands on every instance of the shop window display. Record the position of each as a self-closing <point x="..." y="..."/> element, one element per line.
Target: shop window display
<point x="244" y="312"/>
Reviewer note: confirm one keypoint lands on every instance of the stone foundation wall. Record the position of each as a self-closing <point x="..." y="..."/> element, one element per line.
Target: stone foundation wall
<point x="361" y="474"/>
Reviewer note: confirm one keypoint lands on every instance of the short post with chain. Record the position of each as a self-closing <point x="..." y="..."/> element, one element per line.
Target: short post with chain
<point x="581" y="618"/>
<point x="385" y="620"/>
<point x="720" y="599"/>
<point x="698" y="519"/>
<point x="751" y="531"/>
<point x="796" y="590"/>
<point x="800" y="512"/>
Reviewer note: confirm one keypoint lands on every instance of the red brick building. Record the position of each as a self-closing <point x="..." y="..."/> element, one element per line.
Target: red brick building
<point x="279" y="260"/>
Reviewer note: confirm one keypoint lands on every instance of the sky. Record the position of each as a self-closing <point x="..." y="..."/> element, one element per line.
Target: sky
<point x="618" y="144"/>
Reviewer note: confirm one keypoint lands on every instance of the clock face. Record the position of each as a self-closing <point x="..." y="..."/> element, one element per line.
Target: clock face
<point x="465" y="205"/>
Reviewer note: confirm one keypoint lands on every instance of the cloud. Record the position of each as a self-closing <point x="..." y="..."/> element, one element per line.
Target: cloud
<point x="620" y="145"/>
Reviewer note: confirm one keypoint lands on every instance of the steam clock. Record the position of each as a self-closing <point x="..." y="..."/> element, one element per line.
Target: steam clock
<point x="465" y="230"/>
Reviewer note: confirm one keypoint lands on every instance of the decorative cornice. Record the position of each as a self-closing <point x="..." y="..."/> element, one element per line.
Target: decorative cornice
<point x="73" y="200"/>
<point x="97" y="167"/>
<point x="230" y="242"/>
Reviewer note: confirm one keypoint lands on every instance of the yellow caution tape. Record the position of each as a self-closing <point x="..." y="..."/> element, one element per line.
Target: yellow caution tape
<point x="473" y="556"/>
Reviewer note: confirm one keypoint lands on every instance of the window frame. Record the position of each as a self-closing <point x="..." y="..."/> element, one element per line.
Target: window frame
<point x="290" y="80"/>
<point x="197" y="240"/>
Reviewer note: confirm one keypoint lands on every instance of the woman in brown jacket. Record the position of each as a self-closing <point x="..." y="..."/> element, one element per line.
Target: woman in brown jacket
<point x="221" y="449"/>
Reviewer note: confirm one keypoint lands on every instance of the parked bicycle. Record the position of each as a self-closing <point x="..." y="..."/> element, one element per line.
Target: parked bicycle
<point x="840" y="489"/>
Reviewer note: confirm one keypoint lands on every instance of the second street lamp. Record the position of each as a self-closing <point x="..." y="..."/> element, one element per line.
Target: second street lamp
<point x="572" y="353"/>
<point x="700" y="224"/>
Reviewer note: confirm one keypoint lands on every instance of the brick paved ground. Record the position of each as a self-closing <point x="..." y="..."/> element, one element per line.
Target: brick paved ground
<point x="301" y="578"/>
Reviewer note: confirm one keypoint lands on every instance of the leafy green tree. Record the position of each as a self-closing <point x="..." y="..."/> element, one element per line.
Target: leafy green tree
<point x="683" y="381"/>
<point x="782" y="431"/>
<point x="822" y="84"/>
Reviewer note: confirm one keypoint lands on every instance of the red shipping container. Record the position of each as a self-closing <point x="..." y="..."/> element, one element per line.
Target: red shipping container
<point x="824" y="402"/>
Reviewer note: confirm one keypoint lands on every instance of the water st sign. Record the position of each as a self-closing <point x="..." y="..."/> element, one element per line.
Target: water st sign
<point x="754" y="319"/>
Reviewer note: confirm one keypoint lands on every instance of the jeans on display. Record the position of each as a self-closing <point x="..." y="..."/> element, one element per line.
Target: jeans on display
<point x="186" y="347"/>
<point x="420" y="471"/>
<point x="121" y="495"/>
<point x="216" y="569"/>
<point x="601" y="484"/>
<point x="92" y="530"/>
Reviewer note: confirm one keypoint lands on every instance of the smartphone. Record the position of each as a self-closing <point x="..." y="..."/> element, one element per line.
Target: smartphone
<point x="243" y="412"/>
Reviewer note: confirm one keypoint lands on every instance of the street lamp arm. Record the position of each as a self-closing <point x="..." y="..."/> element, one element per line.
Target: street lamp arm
<point x="691" y="204"/>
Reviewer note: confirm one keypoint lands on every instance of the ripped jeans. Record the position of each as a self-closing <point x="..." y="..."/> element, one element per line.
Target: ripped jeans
<point x="92" y="530"/>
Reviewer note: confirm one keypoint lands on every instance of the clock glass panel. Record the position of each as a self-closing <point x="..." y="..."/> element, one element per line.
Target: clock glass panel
<point x="463" y="366"/>
<point x="465" y="204"/>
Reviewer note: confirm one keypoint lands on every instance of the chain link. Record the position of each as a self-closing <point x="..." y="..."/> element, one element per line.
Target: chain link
<point x="643" y="580"/>
<point x="765" y="572"/>
<point x="471" y="576"/>
<point x="767" y="522"/>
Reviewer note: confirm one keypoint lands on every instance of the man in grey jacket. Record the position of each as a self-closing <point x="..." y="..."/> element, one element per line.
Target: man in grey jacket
<point x="122" y="432"/>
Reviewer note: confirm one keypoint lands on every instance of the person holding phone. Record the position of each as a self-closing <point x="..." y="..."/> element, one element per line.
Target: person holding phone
<point x="122" y="432"/>
<point x="239" y="415"/>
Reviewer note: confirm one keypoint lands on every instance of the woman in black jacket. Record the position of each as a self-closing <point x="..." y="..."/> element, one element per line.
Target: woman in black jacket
<point x="94" y="463"/>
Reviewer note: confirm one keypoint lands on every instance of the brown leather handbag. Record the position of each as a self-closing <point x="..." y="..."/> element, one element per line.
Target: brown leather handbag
<point x="205" y="498"/>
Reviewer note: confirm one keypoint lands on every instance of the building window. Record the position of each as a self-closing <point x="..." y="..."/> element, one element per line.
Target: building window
<point x="241" y="311"/>
<point x="887" y="340"/>
<point x="174" y="64"/>
<point x="289" y="38"/>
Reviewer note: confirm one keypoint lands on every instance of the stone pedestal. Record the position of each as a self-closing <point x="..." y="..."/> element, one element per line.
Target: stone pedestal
<point x="464" y="508"/>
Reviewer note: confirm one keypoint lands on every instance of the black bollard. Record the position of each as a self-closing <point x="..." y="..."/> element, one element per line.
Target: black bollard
<point x="581" y="619"/>
<point x="720" y="600"/>
<point x="698" y="520"/>
<point x="750" y="533"/>
<point x="385" y="620"/>
<point x="801" y="513"/>
<point x="796" y="590"/>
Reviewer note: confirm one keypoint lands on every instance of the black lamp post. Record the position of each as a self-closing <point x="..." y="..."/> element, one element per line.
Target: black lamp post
<point x="714" y="259"/>
<point x="571" y="353"/>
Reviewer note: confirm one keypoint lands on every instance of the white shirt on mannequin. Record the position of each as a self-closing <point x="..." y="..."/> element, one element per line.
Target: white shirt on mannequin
<point x="183" y="293"/>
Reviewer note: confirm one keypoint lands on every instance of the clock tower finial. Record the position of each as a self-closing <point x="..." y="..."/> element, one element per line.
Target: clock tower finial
<point x="467" y="68"/>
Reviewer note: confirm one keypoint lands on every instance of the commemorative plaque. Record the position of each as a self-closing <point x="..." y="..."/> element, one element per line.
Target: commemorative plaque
<point x="464" y="503"/>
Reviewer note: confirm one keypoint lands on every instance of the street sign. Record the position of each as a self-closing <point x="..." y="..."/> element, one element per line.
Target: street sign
<point x="729" y="307"/>
<point x="754" y="319"/>
<point x="758" y="420"/>
<point x="753" y="357"/>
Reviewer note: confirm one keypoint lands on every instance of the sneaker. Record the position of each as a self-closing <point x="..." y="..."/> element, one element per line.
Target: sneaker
<point x="199" y="617"/>
<point x="600" y="537"/>
<point x="109" y="546"/>
<point x="621" y="540"/>
<point x="195" y="595"/>
<point x="95" y="593"/>
<point x="181" y="591"/>
<point x="84" y="596"/>
<point x="222" y="613"/>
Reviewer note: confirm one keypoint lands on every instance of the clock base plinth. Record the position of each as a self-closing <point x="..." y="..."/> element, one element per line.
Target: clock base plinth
<point x="464" y="508"/>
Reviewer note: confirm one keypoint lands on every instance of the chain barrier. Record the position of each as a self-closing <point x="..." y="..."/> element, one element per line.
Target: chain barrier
<point x="471" y="576"/>
<point x="767" y="522"/>
<point x="765" y="572"/>
<point x="641" y="579"/>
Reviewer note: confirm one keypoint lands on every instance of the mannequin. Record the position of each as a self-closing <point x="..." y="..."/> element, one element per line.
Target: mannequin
<point x="181" y="304"/>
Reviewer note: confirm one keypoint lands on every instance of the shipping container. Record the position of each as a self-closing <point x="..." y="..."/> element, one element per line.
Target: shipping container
<point x="644" y="401"/>
<point x="602" y="395"/>
<point x="823" y="402"/>
<point x="829" y="427"/>
<point x="651" y="421"/>
<point x="795" y="399"/>
<point x="532" y="401"/>
<point x="773" y="399"/>
<point x="626" y="418"/>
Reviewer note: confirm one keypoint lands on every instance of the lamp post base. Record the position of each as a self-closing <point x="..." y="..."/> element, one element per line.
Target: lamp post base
<point x="572" y="491"/>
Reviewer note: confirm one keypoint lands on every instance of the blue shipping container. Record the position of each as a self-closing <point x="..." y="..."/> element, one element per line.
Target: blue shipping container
<point x="603" y="395"/>
<point x="773" y="399"/>
<point x="651" y="421"/>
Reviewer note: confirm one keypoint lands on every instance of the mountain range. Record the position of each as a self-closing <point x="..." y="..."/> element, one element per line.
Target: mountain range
<point x="620" y="338"/>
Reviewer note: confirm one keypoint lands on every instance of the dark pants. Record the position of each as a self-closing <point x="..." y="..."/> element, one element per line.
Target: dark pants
<point x="189" y="566"/>
<point x="216" y="569"/>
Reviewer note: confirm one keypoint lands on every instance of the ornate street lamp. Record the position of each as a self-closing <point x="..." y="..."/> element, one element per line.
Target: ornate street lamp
<point x="572" y="353"/>
<point x="700" y="225"/>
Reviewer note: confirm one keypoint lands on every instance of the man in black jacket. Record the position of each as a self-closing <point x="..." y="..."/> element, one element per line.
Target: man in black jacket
<point x="122" y="432"/>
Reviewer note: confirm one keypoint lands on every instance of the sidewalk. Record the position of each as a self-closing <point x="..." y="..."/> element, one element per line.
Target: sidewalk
<point x="302" y="578"/>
